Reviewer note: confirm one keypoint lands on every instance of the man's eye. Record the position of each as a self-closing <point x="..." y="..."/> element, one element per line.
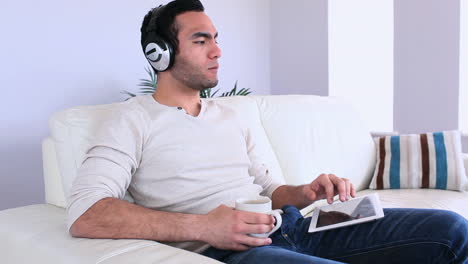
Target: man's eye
<point x="200" y="42"/>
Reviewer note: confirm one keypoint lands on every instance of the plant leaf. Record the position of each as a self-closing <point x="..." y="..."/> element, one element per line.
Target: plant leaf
<point x="146" y="83"/>
<point x="147" y="89"/>
<point x="202" y="94"/>
<point x="215" y="93"/>
<point x="233" y="92"/>
<point x="244" y="91"/>
<point x="128" y="93"/>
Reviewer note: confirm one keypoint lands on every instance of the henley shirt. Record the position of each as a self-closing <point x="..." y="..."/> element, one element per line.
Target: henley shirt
<point x="171" y="161"/>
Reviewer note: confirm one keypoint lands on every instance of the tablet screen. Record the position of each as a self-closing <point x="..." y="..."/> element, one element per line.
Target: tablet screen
<point x="354" y="211"/>
<point x="359" y="209"/>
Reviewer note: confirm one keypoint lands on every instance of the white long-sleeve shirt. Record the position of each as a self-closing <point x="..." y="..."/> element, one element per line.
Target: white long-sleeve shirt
<point x="171" y="161"/>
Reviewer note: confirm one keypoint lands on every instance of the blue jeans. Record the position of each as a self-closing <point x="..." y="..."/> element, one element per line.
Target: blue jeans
<point x="402" y="236"/>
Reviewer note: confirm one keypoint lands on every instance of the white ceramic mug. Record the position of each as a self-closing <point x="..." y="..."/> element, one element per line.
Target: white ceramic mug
<point x="260" y="205"/>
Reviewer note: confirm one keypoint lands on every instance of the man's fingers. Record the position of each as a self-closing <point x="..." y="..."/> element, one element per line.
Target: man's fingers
<point x="353" y="190"/>
<point x="329" y="189"/>
<point x="340" y="186"/>
<point x="253" y="241"/>
<point x="348" y="189"/>
<point x="252" y="229"/>
<point x="259" y="229"/>
<point x="329" y="185"/>
<point x="256" y="218"/>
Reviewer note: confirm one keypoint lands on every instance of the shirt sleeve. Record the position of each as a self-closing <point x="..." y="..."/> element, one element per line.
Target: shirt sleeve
<point x="109" y="163"/>
<point x="259" y="168"/>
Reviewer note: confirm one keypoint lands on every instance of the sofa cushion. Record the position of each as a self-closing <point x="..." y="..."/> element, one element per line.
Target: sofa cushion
<point x="423" y="198"/>
<point x="430" y="160"/>
<point x="37" y="234"/>
<point x="312" y="135"/>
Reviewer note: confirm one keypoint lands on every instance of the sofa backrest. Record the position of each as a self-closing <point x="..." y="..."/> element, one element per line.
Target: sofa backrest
<point x="311" y="135"/>
<point x="300" y="137"/>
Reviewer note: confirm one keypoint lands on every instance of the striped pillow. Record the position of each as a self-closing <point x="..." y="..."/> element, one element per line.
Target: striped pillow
<point x="431" y="160"/>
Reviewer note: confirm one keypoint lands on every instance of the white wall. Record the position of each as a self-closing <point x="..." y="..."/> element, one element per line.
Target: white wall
<point x="427" y="39"/>
<point x="244" y="37"/>
<point x="463" y="97"/>
<point x="57" y="54"/>
<point x="360" y="41"/>
<point x="299" y="47"/>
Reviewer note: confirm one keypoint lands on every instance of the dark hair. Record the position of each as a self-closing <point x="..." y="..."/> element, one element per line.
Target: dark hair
<point x="162" y="20"/>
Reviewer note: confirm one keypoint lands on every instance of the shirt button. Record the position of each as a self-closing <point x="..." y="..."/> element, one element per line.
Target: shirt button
<point x="180" y="108"/>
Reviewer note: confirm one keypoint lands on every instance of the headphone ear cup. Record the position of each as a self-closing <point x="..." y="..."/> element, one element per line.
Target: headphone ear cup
<point x="159" y="54"/>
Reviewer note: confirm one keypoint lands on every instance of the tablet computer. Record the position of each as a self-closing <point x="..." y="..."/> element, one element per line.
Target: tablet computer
<point x="355" y="211"/>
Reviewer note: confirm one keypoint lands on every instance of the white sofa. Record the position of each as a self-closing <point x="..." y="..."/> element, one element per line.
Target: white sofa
<point x="301" y="137"/>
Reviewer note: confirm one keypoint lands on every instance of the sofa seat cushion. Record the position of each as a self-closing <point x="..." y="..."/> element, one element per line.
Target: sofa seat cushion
<point x="37" y="234"/>
<point x="423" y="198"/>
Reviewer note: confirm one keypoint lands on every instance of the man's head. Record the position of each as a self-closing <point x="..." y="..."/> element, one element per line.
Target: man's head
<point x="190" y="37"/>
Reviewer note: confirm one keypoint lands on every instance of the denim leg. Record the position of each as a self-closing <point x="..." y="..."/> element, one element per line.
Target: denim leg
<point x="276" y="255"/>
<point x="281" y="251"/>
<point x="402" y="236"/>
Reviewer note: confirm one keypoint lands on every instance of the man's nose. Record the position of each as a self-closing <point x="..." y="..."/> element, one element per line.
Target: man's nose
<point x="216" y="52"/>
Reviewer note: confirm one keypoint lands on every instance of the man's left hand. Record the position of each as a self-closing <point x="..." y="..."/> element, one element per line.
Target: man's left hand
<point x="327" y="186"/>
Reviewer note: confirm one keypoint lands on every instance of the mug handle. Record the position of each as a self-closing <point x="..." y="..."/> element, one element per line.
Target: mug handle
<point x="276" y="213"/>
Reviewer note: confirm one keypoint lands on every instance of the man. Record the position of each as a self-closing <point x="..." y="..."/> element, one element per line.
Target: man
<point x="169" y="150"/>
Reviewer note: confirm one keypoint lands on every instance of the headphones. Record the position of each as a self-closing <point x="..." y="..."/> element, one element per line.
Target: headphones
<point x="158" y="52"/>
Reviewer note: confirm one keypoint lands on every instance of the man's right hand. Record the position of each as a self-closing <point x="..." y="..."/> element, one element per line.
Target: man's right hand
<point x="227" y="228"/>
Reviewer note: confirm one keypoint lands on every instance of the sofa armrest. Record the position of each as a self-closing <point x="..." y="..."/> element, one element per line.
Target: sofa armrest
<point x="37" y="234"/>
<point x="52" y="180"/>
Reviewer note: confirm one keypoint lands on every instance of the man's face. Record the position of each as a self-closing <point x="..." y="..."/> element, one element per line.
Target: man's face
<point x="196" y="63"/>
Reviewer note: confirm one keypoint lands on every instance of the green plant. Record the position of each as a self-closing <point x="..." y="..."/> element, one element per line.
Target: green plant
<point x="149" y="86"/>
